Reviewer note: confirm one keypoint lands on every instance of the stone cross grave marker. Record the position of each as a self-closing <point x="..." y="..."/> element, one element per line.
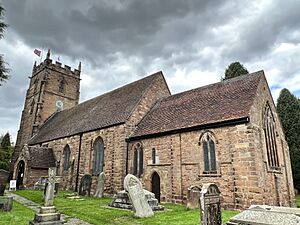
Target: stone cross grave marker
<point x="52" y="180"/>
<point x="100" y="185"/>
<point x="137" y="196"/>
<point x="210" y="205"/>
<point x="193" y="197"/>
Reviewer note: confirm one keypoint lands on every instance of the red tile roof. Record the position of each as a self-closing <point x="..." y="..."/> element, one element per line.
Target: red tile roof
<point x="224" y="101"/>
<point x="41" y="157"/>
<point x="105" y="110"/>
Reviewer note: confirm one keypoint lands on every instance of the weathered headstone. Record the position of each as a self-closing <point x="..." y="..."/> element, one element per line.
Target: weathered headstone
<point x="267" y="215"/>
<point x="3" y="180"/>
<point x="137" y="197"/>
<point x="85" y="185"/>
<point x="48" y="215"/>
<point x="6" y="203"/>
<point x="100" y="185"/>
<point x="210" y="205"/>
<point x="193" y="197"/>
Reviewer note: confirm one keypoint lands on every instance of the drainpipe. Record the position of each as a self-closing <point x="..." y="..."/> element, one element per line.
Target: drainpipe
<point x="78" y="163"/>
<point x="127" y="152"/>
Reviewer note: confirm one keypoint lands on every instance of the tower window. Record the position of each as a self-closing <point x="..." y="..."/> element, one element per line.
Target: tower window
<point x="209" y="154"/>
<point x="138" y="163"/>
<point x="61" y="87"/>
<point x="98" y="163"/>
<point x="67" y="154"/>
<point x="270" y="138"/>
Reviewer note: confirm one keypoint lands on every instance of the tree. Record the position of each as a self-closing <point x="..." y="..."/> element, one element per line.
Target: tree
<point x="235" y="69"/>
<point x="288" y="108"/>
<point x="3" y="70"/>
<point x="5" y="152"/>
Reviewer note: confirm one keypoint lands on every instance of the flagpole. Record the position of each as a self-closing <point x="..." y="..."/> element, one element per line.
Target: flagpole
<point x="42" y="54"/>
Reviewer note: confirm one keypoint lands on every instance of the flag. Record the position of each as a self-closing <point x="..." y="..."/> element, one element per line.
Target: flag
<point x="37" y="52"/>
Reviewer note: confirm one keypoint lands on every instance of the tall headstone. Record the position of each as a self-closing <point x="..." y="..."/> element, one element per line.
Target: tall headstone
<point x="193" y="197"/>
<point x="210" y="205"/>
<point x="85" y="185"/>
<point x="52" y="180"/>
<point x="48" y="215"/>
<point x="3" y="180"/>
<point x="137" y="196"/>
<point x="100" y="185"/>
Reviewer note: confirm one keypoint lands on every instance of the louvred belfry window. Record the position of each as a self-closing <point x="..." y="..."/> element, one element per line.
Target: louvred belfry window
<point x="270" y="138"/>
<point x="209" y="154"/>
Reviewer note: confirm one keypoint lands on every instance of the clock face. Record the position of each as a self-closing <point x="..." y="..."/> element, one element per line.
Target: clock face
<point x="59" y="104"/>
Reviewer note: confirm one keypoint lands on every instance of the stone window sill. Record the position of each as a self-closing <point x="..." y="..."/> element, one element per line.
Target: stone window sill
<point x="210" y="175"/>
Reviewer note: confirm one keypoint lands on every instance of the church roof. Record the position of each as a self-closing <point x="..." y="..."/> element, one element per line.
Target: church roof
<point x="106" y="110"/>
<point x="41" y="157"/>
<point x="213" y="104"/>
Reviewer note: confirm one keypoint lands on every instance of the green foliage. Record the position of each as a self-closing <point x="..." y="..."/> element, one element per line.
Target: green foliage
<point x="3" y="69"/>
<point x="288" y="107"/>
<point x="6" y="151"/>
<point x="96" y="211"/>
<point x="235" y="69"/>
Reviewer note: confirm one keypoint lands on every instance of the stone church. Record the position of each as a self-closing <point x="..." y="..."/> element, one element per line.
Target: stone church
<point x="226" y="133"/>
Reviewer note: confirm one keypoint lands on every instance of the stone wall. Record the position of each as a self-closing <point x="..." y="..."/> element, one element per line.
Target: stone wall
<point x="242" y="174"/>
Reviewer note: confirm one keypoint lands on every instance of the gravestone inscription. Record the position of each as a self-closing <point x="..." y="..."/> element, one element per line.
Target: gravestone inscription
<point x="137" y="196"/>
<point x="85" y="185"/>
<point x="100" y="185"/>
<point x="210" y="205"/>
<point x="193" y="197"/>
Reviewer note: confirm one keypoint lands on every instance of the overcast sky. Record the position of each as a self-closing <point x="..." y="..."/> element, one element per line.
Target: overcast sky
<point x="191" y="41"/>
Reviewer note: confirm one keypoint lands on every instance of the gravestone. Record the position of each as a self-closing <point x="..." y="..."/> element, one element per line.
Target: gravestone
<point x="100" y="186"/>
<point x="3" y="180"/>
<point x="6" y="203"/>
<point x="47" y="214"/>
<point x="137" y="197"/>
<point x="210" y="205"/>
<point x="85" y="185"/>
<point x="267" y="215"/>
<point x="193" y="197"/>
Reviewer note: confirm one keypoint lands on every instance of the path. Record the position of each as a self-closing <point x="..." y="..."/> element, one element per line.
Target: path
<point x="35" y="207"/>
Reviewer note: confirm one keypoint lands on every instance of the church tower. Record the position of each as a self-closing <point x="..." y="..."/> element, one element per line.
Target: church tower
<point x="52" y="88"/>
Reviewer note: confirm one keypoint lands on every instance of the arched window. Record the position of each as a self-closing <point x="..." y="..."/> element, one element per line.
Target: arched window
<point x="138" y="160"/>
<point x="209" y="154"/>
<point x="67" y="154"/>
<point x="153" y="156"/>
<point x="270" y="138"/>
<point x="98" y="156"/>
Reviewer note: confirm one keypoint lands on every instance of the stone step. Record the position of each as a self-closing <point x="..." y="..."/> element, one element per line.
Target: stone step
<point x="47" y="217"/>
<point x="47" y="210"/>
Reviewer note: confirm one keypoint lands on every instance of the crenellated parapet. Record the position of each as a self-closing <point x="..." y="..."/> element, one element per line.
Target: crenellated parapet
<point x="56" y="66"/>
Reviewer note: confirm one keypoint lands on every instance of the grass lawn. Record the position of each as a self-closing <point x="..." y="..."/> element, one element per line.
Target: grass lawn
<point x="298" y="201"/>
<point x="96" y="211"/>
<point x="19" y="215"/>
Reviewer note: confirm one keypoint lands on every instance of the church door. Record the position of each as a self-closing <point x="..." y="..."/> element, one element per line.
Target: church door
<point x="20" y="174"/>
<point x="156" y="185"/>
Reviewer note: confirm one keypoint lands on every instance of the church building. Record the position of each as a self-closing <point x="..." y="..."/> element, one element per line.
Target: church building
<point x="226" y="133"/>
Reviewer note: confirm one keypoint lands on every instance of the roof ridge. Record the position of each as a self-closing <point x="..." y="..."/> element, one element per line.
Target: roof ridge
<point x="231" y="80"/>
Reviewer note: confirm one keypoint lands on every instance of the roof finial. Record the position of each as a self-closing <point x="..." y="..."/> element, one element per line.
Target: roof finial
<point x="34" y="65"/>
<point x="79" y="66"/>
<point x="48" y="54"/>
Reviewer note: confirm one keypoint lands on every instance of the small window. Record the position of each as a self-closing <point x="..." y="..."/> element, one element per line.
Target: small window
<point x="67" y="154"/>
<point x="209" y="153"/>
<point x="153" y="156"/>
<point x="98" y="163"/>
<point x="270" y="138"/>
<point x="61" y="87"/>
<point x="138" y="163"/>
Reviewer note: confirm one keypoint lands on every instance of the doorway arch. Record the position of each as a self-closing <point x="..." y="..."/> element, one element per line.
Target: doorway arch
<point x="20" y="174"/>
<point x="155" y="185"/>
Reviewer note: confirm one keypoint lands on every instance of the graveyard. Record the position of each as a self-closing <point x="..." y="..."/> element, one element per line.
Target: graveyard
<point x="97" y="211"/>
